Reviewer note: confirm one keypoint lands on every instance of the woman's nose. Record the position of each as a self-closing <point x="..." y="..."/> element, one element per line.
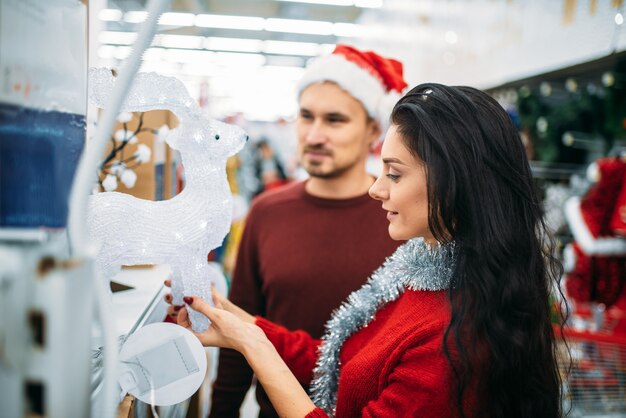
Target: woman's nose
<point x="377" y="190"/>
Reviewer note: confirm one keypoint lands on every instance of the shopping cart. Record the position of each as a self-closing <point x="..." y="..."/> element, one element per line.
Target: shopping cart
<point x="596" y="383"/>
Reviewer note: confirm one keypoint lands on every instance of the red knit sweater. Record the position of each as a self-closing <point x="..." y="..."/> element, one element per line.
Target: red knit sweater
<point x="394" y="367"/>
<point x="300" y="257"/>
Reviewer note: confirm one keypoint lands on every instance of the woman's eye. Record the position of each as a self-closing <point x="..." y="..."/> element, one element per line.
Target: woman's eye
<point x="393" y="177"/>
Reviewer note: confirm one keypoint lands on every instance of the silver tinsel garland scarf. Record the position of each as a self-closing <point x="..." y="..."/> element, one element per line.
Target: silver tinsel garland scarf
<point x="415" y="265"/>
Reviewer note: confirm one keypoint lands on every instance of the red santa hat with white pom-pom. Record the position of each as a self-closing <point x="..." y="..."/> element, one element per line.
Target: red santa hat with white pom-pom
<point x="377" y="82"/>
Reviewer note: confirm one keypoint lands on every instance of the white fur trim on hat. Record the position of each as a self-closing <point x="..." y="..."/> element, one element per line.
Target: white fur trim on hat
<point x="584" y="237"/>
<point x="360" y="83"/>
<point x="385" y="106"/>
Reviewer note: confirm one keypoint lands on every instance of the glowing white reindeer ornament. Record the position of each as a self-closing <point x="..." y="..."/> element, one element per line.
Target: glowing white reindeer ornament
<point x="180" y="231"/>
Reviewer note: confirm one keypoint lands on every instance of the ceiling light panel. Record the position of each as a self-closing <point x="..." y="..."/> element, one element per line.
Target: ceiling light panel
<point x="327" y="2"/>
<point x="177" y="19"/>
<point x="233" y="44"/>
<point x="291" y="48"/>
<point x="356" y="3"/>
<point x="348" y="30"/>
<point x="230" y="22"/>
<point x="110" y="15"/>
<point x="179" y="41"/>
<point x="310" y="27"/>
<point x="135" y="16"/>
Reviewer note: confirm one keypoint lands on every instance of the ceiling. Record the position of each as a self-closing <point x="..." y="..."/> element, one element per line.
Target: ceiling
<point x="240" y="51"/>
<point x="251" y="52"/>
<point x="270" y="10"/>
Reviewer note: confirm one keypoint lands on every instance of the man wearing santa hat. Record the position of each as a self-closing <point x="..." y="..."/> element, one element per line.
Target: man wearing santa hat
<point x="308" y="245"/>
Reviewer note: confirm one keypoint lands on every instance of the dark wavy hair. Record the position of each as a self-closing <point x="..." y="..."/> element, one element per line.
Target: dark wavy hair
<point x="500" y="342"/>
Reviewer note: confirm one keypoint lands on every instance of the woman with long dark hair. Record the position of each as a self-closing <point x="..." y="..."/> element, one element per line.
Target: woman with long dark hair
<point x="457" y="322"/>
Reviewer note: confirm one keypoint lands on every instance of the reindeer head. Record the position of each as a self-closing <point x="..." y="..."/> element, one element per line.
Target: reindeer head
<point x="197" y="134"/>
<point x="208" y="138"/>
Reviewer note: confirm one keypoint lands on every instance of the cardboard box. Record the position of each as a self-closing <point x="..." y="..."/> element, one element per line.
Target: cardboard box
<point x="153" y="177"/>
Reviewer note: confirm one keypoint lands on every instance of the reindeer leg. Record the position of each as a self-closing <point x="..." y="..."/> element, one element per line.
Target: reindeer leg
<point x="197" y="282"/>
<point x="178" y="290"/>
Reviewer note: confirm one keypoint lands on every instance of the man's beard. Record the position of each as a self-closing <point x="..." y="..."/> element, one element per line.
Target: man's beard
<point x="317" y="170"/>
<point x="331" y="173"/>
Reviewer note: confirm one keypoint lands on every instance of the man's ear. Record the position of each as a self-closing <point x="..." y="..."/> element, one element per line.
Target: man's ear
<point x="374" y="133"/>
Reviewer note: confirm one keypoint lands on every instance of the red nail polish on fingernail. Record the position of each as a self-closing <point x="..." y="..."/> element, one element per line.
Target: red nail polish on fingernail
<point x="188" y="300"/>
<point x="177" y="307"/>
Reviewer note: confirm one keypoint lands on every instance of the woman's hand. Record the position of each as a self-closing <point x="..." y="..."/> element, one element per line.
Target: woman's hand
<point x="232" y="327"/>
<point x="227" y="329"/>
<point x="221" y="302"/>
<point x="218" y="299"/>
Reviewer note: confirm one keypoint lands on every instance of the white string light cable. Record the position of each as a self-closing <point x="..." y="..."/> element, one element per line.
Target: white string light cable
<point x="81" y="190"/>
<point x="150" y="380"/>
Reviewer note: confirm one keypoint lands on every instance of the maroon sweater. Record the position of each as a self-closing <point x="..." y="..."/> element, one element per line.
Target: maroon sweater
<point x="300" y="256"/>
